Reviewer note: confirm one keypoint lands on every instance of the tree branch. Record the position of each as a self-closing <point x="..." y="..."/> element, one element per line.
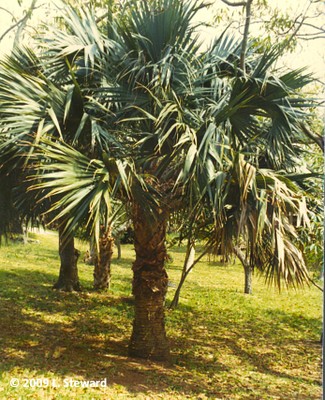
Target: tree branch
<point x="319" y="140"/>
<point x="245" y="36"/>
<point x="23" y="22"/>
<point x="306" y="39"/>
<point x="241" y="257"/>
<point x="10" y="13"/>
<point x="232" y="4"/>
<point x="10" y="29"/>
<point x="315" y="284"/>
<point x="102" y="17"/>
<point x="20" y="23"/>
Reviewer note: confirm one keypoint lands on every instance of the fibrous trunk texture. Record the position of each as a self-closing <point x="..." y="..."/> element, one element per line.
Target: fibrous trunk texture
<point x="148" y="339"/>
<point x="68" y="279"/>
<point x="102" y="270"/>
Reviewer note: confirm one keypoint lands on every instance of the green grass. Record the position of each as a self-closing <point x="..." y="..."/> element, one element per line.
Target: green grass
<point x="225" y="345"/>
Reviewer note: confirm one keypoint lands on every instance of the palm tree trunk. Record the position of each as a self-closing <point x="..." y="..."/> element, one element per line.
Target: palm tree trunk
<point x="189" y="264"/>
<point x="187" y="268"/>
<point x="248" y="289"/>
<point x="68" y="279"/>
<point x="119" y="248"/>
<point x="102" y="270"/>
<point x="148" y="339"/>
<point x="92" y="251"/>
<point x="248" y="279"/>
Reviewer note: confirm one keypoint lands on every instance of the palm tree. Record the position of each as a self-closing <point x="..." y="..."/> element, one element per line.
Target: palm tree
<point x="35" y="104"/>
<point x="26" y="90"/>
<point x="9" y="216"/>
<point x="127" y="111"/>
<point x="49" y="92"/>
<point x="175" y="127"/>
<point x="265" y="208"/>
<point x="102" y="258"/>
<point x="262" y="136"/>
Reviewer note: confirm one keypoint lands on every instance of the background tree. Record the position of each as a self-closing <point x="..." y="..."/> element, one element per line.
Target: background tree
<point x="19" y="25"/>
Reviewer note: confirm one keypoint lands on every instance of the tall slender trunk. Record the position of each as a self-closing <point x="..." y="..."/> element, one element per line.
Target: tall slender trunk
<point x="102" y="270"/>
<point x="248" y="279"/>
<point x="148" y="339"/>
<point x="248" y="11"/>
<point x="68" y="279"/>
<point x="248" y="288"/>
<point x="189" y="264"/>
<point x="187" y="268"/>
<point x="118" y="246"/>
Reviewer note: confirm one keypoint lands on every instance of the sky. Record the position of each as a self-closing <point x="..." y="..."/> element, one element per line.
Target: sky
<point x="308" y="53"/>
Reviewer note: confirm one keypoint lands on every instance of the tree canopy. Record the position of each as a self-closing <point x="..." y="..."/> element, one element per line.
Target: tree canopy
<point x="135" y="111"/>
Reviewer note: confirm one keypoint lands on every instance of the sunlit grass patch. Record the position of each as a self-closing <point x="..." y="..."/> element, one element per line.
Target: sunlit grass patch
<point x="225" y="344"/>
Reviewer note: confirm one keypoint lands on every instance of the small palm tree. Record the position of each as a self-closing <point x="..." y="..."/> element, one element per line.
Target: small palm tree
<point x="49" y="91"/>
<point x="47" y="108"/>
<point x="266" y="208"/>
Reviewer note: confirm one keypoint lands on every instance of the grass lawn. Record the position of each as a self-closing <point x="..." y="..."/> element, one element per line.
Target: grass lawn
<point x="225" y="345"/>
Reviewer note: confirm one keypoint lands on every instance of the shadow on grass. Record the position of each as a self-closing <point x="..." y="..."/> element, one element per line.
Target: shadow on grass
<point x="254" y="342"/>
<point x="76" y="334"/>
<point x="86" y="334"/>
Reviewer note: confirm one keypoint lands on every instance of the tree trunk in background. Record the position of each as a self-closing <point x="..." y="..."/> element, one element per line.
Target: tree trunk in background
<point x="68" y="279"/>
<point x="248" y="289"/>
<point x="248" y="15"/>
<point x="92" y="251"/>
<point x="248" y="279"/>
<point x="148" y="339"/>
<point x="119" y="248"/>
<point x="187" y="267"/>
<point x="102" y="270"/>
